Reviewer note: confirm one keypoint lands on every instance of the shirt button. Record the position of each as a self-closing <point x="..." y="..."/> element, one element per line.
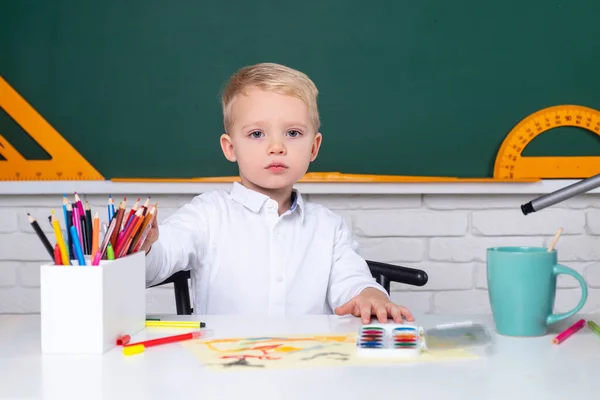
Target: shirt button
<point x="279" y="278"/>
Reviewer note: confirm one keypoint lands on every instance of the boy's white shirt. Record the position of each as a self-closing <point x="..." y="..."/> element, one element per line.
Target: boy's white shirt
<point x="246" y="259"/>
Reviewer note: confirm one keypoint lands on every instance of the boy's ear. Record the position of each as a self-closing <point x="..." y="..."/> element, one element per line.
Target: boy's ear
<point x="316" y="145"/>
<point x="227" y="147"/>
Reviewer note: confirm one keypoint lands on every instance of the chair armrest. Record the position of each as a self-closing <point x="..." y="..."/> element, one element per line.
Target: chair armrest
<point x="177" y="277"/>
<point x="397" y="273"/>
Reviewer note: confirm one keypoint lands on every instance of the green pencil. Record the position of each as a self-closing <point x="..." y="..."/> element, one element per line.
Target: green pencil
<point x="593" y="326"/>
<point x="110" y="254"/>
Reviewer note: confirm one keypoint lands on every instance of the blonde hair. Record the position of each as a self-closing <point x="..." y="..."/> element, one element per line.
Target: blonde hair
<point x="271" y="77"/>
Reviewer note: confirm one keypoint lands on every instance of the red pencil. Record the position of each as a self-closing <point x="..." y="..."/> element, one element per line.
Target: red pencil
<point x="57" y="257"/>
<point x="127" y="233"/>
<point x="134" y="348"/>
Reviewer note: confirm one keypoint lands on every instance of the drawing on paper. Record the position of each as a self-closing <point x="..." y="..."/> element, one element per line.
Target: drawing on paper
<point x="301" y="351"/>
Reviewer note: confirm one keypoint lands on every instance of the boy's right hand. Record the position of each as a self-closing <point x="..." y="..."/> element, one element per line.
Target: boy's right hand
<point x="152" y="235"/>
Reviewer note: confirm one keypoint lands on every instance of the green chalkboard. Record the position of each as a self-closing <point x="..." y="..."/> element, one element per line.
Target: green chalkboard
<point x="426" y="87"/>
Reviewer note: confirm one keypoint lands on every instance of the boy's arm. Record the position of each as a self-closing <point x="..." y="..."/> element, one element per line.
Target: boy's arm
<point x="181" y="242"/>
<point x="352" y="289"/>
<point x="350" y="273"/>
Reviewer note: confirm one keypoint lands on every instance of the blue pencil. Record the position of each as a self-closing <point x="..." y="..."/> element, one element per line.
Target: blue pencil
<point x="111" y="208"/>
<point x="77" y="245"/>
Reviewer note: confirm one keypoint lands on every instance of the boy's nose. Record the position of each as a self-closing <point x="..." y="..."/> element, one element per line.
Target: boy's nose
<point x="276" y="147"/>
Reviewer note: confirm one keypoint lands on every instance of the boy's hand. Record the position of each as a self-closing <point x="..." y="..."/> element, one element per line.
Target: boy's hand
<point x="374" y="302"/>
<point x="152" y="235"/>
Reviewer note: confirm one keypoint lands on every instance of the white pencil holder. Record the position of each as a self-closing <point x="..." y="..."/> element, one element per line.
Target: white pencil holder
<point x="85" y="308"/>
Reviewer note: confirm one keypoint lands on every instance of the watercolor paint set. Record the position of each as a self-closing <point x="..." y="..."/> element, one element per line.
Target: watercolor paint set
<point x="390" y="340"/>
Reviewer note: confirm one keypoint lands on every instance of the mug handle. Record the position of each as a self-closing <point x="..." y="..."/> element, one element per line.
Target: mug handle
<point x="561" y="269"/>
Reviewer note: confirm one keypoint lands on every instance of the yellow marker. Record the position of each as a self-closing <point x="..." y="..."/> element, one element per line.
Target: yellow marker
<point x="60" y="241"/>
<point x="132" y="350"/>
<point x="175" y="324"/>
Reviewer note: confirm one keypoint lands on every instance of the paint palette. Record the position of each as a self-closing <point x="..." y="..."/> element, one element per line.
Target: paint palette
<point x="390" y="340"/>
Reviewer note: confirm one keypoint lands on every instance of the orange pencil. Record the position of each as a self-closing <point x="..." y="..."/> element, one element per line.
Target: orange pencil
<point x="95" y="235"/>
<point x="145" y="206"/>
<point x="147" y="219"/>
<point x="144" y="232"/>
<point x="134" y="232"/>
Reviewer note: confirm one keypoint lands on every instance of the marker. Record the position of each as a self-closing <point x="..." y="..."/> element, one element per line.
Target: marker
<point x="123" y="340"/>
<point x="174" y="324"/>
<point x="139" y="347"/>
<point x="569" y="331"/>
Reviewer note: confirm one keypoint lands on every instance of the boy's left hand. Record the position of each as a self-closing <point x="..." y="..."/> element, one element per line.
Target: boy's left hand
<point x="374" y="302"/>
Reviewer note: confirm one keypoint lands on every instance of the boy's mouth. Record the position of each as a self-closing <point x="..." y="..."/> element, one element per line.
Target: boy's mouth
<point x="276" y="167"/>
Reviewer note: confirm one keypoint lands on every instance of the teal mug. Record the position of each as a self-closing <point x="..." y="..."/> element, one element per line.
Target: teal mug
<point x="522" y="288"/>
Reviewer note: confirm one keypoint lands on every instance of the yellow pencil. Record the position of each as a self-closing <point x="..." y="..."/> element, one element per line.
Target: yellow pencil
<point x="59" y="240"/>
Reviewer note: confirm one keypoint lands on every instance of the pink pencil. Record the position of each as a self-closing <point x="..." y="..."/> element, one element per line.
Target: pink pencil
<point x="569" y="331"/>
<point x="77" y="224"/>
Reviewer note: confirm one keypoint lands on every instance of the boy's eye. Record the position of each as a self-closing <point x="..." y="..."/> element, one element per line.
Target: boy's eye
<point x="256" y="134"/>
<point x="293" y="133"/>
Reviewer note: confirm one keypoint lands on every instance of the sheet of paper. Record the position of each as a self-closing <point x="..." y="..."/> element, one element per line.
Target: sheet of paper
<point x="302" y="351"/>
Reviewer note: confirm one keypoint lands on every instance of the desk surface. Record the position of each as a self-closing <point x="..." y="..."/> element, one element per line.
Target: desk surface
<point x="519" y="368"/>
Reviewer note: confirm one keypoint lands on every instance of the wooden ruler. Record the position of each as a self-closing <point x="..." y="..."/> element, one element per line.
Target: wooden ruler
<point x="510" y="164"/>
<point x="66" y="163"/>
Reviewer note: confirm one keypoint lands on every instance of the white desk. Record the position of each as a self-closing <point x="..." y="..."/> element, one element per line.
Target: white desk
<point x="520" y="368"/>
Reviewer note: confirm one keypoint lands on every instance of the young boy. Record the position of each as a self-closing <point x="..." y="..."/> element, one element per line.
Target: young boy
<point x="260" y="248"/>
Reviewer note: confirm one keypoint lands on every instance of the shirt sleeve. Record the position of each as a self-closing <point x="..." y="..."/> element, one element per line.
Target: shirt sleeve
<point x="181" y="242"/>
<point x="350" y="273"/>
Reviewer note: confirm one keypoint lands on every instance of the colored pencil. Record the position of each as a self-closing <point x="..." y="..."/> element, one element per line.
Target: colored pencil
<point x="144" y="230"/>
<point x="77" y="225"/>
<point x="569" y="331"/>
<point x="145" y="206"/>
<point x="59" y="240"/>
<point x="594" y="327"/>
<point x="57" y="258"/>
<point x="128" y="234"/>
<point x="110" y="208"/>
<point x="79" y="206"/>
<point x="69" y="224"/>
<point x="110" y="254"/>
<point x="119" y="220"/>
<point x="95" y="235"/>
<point x="41" y="235"/>
<point x="84" y="235"/>
<point x="131" y="214"/>
<point x="78" y="249"/>
<point x="88" y="225"/>
<point x="66" y="214"/>
<point x="105" y="242"/>
<point x="139" y="347"/>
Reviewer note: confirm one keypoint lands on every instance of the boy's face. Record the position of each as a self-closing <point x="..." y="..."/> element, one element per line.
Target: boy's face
<point x="271" y="138"/>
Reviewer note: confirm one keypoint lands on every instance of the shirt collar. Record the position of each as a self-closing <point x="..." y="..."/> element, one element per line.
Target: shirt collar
<point x="254" y="200"/>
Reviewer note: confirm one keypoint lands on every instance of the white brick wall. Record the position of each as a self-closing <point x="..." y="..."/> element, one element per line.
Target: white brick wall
<point x="445" y="235"/>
